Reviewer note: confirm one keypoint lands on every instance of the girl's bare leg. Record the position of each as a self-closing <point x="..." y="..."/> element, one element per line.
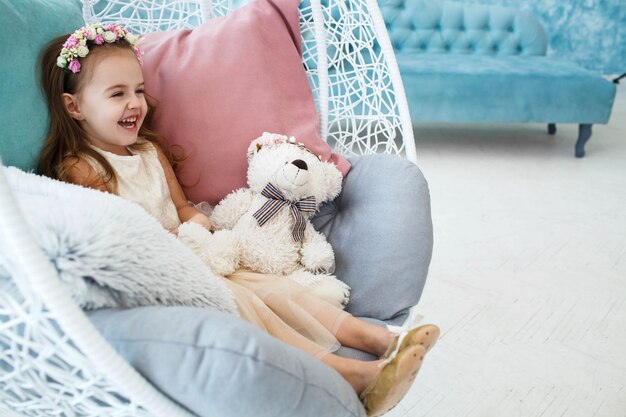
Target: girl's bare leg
<point x="358" y="373"/>
<point x="364" y="336"/>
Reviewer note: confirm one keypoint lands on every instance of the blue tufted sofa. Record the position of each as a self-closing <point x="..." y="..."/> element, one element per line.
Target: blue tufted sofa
<point x="479" y="63"/>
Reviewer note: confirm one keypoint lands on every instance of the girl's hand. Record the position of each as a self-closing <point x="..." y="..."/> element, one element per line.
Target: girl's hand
<point x="174" y="232"/>
<point x="201" y="219"/>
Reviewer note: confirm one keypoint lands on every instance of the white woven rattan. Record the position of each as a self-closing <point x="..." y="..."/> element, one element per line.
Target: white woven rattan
<point x="53" y="362"/>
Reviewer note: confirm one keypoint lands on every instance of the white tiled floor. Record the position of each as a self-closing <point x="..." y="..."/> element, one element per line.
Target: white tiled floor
<point x="528" y="278"/>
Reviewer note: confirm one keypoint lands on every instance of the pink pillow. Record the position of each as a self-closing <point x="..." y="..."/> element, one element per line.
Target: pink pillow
<point x="224" y="83"/>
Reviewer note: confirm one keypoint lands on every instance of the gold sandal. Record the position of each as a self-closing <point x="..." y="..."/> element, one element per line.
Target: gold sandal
<point x="393" y="381"/>
<point x="425" y="335"/>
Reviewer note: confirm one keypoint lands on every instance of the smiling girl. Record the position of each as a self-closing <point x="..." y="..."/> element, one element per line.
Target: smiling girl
<point x="99" y="114"/>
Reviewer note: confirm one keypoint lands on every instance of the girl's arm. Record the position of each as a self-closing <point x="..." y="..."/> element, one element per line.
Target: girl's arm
<point x="82" y="173"/>
<point x="186" y="213"/>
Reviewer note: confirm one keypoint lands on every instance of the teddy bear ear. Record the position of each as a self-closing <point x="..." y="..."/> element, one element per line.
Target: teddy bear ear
<point x="253" y="150"/>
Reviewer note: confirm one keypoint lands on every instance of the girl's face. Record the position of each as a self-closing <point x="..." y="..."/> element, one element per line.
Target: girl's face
<point x="110" y="105"/>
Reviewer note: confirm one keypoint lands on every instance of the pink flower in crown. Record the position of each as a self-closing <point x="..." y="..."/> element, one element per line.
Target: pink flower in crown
<point x="90" y="34"/>
<point x="71" y="42"/>
<point x="99" y="39"/>
<point x="74" y="66"/>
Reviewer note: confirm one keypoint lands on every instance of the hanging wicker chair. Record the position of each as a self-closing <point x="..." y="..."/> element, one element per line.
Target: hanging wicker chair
<point x="54" y="361"/>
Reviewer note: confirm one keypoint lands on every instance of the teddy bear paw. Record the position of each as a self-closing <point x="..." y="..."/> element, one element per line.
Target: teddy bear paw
<point x="217" y="250"/>
<point x="318" y="257"/>
<point x="332" y="291"/>
<point x="325" y="287"/>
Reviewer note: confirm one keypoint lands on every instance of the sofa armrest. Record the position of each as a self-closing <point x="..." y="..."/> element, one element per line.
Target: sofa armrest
<point x="381" y="231"/>
<point x="216" y="364"/>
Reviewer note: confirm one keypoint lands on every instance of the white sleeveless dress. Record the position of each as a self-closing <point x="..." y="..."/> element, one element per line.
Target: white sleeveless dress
<point x="141" y="179"/>
<point x="281" y="307"/>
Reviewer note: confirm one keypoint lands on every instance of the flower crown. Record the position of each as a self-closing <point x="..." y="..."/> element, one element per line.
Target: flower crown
<point x="97" y="33"/>
<point x="268" y="140"/>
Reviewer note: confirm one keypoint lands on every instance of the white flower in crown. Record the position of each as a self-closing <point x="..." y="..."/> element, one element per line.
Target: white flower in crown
<point x="131" y="38"/>
<point x="82" y="51"/>
<point x="109" y="36"/>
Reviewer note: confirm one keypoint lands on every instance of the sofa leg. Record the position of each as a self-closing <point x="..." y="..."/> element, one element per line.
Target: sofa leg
<point x="551" y="128"/>
<point x="584" y="133"/>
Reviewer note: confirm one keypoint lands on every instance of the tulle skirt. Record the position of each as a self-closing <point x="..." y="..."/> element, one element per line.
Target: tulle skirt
<point x="284" y="309"/>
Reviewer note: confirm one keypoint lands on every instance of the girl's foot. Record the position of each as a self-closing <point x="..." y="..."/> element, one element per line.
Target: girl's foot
<point x="393" y="382"/>
<point x="425" y="336"/>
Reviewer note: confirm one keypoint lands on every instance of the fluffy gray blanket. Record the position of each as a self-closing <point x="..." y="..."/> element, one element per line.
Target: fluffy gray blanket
<point x="111" y="252"/>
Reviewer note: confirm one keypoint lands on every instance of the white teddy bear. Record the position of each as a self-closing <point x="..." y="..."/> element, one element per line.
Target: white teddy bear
<point x="266" y="228"/>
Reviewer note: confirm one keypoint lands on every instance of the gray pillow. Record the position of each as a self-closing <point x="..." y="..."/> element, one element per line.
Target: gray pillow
<point x="216" y="364"/>
<point x="381" y="231"/>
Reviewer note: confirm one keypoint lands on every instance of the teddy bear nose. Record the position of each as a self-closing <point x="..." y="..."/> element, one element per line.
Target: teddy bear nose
<point x="300" y="164"/>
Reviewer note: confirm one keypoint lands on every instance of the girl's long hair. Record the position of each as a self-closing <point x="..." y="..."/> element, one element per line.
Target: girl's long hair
<point x="66" y="142"/>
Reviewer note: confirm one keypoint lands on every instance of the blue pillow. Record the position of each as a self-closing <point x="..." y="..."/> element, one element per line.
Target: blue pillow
<point x="381" y="231"/>
<point x="27" y="26"/>
<point x="216" y="364"/>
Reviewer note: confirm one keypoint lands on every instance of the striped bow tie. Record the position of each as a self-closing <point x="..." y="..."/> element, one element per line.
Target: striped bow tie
<point x="276" y="202"/>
